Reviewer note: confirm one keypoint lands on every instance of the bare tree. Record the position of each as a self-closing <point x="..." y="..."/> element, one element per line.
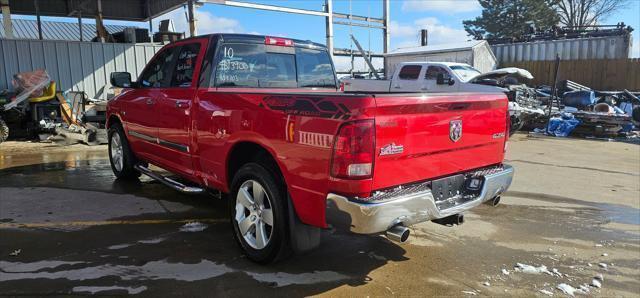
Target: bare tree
<point x="587" y="12"/>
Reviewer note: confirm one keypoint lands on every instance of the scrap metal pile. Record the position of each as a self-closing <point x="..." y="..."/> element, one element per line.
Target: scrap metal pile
<point x="578" y="110"/>
<point x="34" y="109"/>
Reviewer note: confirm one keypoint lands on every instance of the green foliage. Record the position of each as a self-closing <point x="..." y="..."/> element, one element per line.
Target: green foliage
<point x="511" y="18"/>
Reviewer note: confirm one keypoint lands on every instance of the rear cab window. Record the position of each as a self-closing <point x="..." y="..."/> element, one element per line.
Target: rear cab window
<point x="410" y="72"/>
<point x="250" y="65"/>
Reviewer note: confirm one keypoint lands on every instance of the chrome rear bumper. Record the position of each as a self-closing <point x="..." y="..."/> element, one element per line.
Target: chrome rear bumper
<point x="413" y="206"/>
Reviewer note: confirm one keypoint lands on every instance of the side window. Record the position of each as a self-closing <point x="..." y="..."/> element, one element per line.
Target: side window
<point x="433" y="72"/>
<point x="410" y="72"/>
<point x="156" y="75"/>
<point x="185" y="65"/>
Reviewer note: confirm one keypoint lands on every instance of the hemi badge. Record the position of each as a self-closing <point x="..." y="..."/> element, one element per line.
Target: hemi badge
<point x="498" y="135"/>
<point x="391" y="149"/>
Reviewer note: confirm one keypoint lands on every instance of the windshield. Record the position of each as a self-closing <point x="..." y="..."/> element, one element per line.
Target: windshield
<point x="251" y="65"/>
<point x="465" y="72"/>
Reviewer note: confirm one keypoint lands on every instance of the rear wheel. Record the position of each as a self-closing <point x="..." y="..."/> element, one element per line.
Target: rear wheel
<point x="120" y="155"/>
<point x="4" y="131"/>
<point x="258" y="214"/>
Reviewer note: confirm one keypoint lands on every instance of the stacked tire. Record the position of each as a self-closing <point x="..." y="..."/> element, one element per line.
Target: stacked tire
<point x="4" y="131"/>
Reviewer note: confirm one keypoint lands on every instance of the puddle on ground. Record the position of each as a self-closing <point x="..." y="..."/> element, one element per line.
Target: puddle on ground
<point x="619" y="213"/>
<point x="612" y="212"/>
<point x="157" y="270"/>
<point x="99" y="289"/>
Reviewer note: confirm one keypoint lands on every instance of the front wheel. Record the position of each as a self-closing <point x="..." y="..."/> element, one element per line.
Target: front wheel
<point x="120" y="155"/>
<point x="258" y="214"/>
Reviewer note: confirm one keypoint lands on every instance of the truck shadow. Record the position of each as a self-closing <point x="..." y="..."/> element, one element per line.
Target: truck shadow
<point x="158" y="254"/>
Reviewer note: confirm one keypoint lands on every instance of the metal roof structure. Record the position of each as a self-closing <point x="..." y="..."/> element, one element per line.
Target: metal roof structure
<point x="128" y="10"/>
<point x="28" y="29"/>
<point x="439" y="48"/>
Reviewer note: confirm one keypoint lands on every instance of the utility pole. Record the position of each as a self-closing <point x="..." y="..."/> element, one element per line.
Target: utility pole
<point x="101" y="30"/>
<point x="328" y="8"/>
<point x="6" y="18"/>
<point x="386" y="36"/>
<point x="150" y="20"/>
<point x="37" y="6"/>
<point x="192" y="19"/>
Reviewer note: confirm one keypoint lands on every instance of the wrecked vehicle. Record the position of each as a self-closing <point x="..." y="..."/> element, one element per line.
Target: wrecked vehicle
<point x="437" y="77"/>
<point x="262" y="119"/>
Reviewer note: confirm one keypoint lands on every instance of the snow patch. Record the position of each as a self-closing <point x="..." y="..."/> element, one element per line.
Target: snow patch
<point x="119" y="246"/>
<point x="524" y="268"/>
<point x="152" y="241"/>
<point x="193" y="227"/>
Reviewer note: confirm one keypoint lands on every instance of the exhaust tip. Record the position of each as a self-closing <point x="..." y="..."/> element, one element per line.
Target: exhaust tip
<point x="398" y="233"/>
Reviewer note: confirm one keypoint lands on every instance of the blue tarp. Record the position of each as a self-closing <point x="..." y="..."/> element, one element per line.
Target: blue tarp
<point x="562" y="126"/>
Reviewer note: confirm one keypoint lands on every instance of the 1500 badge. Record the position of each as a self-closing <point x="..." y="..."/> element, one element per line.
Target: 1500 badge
<point x="391" y="149"/>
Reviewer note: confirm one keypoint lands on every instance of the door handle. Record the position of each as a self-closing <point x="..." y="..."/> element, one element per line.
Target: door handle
<point x="397" y="87"/>
<point x="150" y="101"/>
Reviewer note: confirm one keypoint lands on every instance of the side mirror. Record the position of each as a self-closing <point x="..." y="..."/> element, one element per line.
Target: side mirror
<point x="444" y="80"/>
<point x="121" y="79"/>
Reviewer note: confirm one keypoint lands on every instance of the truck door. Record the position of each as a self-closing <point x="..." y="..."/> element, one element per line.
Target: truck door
<point x="174" y="104"/>
<point x="407" y="79"/>
<point x="431" y="80"/>
<point x="140" y="118"/>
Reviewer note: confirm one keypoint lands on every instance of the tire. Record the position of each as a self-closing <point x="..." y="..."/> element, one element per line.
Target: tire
<point x="635" y="113"/>
<point x="4" y="131"/>
<point x="120" y="155"/>
<point x="260" y="227"/>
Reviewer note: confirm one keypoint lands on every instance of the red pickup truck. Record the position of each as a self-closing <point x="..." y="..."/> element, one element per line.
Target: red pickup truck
<point x="262" y="120"/>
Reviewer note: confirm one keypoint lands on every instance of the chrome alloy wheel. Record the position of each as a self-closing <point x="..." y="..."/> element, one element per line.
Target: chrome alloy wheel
<point x="117" y="157"/>
<point x="254" y="214"/>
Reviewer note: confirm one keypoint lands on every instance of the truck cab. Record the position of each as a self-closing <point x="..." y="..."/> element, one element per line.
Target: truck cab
<point x="261" y="119"/>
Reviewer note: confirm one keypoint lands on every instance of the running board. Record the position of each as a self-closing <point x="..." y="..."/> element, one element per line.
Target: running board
<point x="169" y="182"/>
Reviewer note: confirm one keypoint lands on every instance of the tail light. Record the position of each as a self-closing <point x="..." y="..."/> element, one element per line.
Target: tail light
<point x="354" y="150"/>
<point x="278" y="41"/>
<point x="342" y="86"/>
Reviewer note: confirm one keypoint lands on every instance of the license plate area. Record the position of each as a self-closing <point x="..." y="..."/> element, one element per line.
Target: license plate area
<point x="448" y="187"/>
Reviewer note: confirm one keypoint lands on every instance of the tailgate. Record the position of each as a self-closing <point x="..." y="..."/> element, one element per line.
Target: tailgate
<point x="420" y="137"/>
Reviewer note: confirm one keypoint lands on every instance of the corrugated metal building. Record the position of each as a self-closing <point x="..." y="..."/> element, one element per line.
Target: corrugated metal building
<point x="28" y="29"/>
<point x="607" y="47"/>
<point x="476" y="53"/>
<point x="74" y="65"/>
